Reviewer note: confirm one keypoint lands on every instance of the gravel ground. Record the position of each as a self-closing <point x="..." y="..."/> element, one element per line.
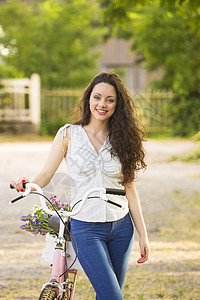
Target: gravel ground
<point x="20" y="252"/>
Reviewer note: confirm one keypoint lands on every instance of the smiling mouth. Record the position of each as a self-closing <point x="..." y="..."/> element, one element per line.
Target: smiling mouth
<point x="101" y="112"/>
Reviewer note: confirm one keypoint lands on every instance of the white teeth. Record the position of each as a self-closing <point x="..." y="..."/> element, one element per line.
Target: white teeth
<point x="103" y="111"/>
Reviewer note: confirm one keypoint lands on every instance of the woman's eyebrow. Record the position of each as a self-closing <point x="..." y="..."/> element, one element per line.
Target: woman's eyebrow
<point x="111" y="96"/>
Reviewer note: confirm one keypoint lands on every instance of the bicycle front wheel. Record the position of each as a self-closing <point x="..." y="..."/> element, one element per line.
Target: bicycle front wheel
<point x="49" y="293"/>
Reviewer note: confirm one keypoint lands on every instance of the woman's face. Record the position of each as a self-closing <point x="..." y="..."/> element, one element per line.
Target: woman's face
<point x="103" y="101"/>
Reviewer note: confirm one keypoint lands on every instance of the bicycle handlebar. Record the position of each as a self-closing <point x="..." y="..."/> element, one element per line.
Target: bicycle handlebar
<point x="28" y="186"/>
<point x="115" y="191"/>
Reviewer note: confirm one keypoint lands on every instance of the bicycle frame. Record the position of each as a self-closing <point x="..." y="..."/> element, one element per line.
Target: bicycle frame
<point x="59" y="273"/>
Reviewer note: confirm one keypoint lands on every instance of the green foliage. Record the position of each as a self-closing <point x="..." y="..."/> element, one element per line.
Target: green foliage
<point x="117" y="11"/>
<point x="8" y="71"/>
<point x="173" y="47"/>
<point x="166" y="38"/>
<point x="52" y="38"/>
<point x="185" y="113"/>
<point x="49" y="126"/>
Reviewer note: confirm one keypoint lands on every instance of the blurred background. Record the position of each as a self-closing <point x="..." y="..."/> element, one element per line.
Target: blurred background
<point x="152" y="45"/>
<point x="49" y="52"/>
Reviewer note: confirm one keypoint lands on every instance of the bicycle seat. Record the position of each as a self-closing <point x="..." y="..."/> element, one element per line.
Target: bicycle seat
<point x="54" y="223"/>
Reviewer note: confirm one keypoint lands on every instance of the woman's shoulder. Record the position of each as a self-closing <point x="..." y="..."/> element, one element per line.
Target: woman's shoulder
<point x="73" y="128"/>
<point x="64" y="127"/>
<point x="67" y="125"/>
<point x="68" y="131"/>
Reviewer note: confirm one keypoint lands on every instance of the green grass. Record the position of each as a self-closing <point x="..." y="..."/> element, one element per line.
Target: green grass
<point x="160" y="285"/>
<point x="182" y="220"/>
<point x="162" y="136"/>
<point x="193" y="156"/>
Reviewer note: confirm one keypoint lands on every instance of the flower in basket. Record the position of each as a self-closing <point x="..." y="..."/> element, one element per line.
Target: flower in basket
<point x="37" y="221"/>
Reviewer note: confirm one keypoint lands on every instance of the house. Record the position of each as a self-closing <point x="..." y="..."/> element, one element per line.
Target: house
<point x="117" y="57"/>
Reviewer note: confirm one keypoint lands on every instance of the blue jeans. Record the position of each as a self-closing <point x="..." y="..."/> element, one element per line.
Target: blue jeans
<point x="103" y="251"/>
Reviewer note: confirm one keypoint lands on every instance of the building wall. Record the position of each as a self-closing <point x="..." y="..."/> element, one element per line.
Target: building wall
<point x="116" y="56"/>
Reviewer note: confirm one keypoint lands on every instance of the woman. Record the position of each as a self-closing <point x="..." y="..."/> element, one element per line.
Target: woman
<point x="103" y="149"/>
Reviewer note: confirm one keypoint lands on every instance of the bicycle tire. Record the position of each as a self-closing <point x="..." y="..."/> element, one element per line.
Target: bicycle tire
<point x="48" y="293"/>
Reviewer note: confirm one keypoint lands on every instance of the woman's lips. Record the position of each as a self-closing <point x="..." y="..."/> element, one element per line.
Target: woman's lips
<point x="101" y="112"/>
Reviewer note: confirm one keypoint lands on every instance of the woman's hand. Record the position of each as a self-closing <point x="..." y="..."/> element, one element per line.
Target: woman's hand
<point x="18" y="183"/>
<point x="144" y="250"/>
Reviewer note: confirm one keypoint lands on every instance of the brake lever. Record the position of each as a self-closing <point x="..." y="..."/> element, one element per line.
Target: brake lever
<point x="114" y="203"/>
<point x="103" y="197"/>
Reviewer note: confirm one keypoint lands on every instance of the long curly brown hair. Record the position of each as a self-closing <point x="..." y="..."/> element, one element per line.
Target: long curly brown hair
<point x="125" y="129"/>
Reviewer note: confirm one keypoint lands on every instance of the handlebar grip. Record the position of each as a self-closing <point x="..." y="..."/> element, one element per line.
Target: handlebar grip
<point x="24" y="185"/>
<point x="16" y="199"/>
<point x="115" y="191"/>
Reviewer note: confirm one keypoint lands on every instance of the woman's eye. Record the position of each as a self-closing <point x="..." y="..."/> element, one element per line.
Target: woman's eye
<point x="111" y="100"/>
<point x="97" y="97"/>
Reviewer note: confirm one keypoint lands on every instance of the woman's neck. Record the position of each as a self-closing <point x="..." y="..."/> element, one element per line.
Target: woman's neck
<point x="97" y="126"/>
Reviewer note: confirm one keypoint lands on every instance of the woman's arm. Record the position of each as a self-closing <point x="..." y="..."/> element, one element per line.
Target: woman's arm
<point x="51" y="164"/>
<point x="137" y="216"/>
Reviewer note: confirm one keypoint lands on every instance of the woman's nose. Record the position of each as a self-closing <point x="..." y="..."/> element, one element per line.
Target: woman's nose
<point x="102" y="103"/>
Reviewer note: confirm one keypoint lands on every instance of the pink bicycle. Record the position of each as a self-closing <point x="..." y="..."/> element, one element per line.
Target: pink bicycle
<point x="64" y="266"/>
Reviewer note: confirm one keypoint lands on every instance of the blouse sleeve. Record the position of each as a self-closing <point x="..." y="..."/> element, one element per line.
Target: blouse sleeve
<point x="63" y="132"/>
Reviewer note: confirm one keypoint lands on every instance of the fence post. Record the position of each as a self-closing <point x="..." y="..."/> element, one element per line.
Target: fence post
<point x="35" y="94"/>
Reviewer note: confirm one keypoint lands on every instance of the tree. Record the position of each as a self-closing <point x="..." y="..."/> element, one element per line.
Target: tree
<point x="116" y="12"/>
<point x="166" y="37"/>
<point x="53" y="38"/>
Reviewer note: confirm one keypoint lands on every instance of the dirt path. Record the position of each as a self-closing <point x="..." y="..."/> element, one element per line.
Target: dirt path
<point x="20" y="253"/>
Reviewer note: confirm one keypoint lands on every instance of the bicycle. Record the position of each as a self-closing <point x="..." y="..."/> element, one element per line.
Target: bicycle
<point x="61" y="285"/>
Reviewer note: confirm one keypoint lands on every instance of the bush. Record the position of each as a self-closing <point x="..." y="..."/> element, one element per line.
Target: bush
<point x="184" y="112"/>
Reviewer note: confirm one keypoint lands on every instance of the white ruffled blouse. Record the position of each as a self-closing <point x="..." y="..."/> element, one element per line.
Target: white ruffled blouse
<point x="88" y="169"/>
